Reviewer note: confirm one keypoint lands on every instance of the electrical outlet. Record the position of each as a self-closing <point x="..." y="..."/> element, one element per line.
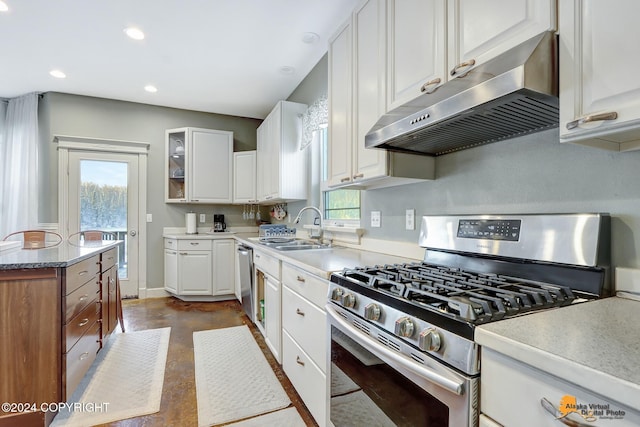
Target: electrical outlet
<point x="203" y="218"/>
<point x="375" y="219"/>
<point x="149" y="218"/>
<point x="410" y="219"/>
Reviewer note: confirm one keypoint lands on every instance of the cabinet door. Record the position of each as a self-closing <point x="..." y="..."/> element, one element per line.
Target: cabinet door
<point x="223" y="271"/>
<point x="211" y="160"/>
<point x="175" y="153"/>
<point x="597" y="56"/>
<point x="112" y="318"/>
<point x="171" y="271"/>
<point x="194" y="273"/>
<point x="244" y="181"/>
<point x="340" y="145"/>
<point x="274" y="135"/>
<point x="369" y="86"/>
<point x="262" y="160"/>
<point x="272" y="315"/>
<point x="416" y="43"/>
<point x="480" y="30"/>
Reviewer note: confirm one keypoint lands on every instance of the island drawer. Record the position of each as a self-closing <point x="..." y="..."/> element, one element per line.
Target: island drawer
<point x="109" y="259"/>
<point x="80" y="273"/>
<point x="78" y="360"/>
<point x="81" y="323"/>
<point x="75" y="302"/>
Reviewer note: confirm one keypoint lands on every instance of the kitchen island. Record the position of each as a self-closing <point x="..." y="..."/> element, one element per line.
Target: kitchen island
<point x="57" y="305"/>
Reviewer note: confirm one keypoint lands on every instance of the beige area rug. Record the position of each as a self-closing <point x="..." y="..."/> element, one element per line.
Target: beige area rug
<point x="124" y="381"/>
<point x="357" y="409"/>
<point x="234" y="380"/>
<point x="285" y="418"/>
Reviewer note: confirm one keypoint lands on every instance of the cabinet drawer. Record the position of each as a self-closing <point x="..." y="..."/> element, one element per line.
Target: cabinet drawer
<point x="75" y="302"/>
<point x="170" y="243"/>
<point x="80" y="273"/>
<point x="306" y="323"/>
<point x="109" y="259"/>
<point x="78" y="360"/>
<point x="267" y="264"/>
<point x="195" y="245"/>
<point x="309" y="286"/>
<point x="309" y="381"/>
<point x="80" y="324"/>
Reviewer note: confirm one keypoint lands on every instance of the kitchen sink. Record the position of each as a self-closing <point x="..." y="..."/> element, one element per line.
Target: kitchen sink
<point x="301" y="246"/>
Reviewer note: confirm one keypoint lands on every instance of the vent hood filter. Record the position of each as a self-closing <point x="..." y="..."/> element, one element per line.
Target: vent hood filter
<point x="514" y="94"/>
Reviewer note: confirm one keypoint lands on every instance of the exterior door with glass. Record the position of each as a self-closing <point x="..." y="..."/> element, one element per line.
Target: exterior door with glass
<point x="102" y="195"/>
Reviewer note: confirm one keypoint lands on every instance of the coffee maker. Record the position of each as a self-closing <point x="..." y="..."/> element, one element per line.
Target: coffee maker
<point x="218" y="222"/>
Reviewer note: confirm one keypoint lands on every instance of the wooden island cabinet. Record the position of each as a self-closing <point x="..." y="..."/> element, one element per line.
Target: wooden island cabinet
<point x="57" y="306"/>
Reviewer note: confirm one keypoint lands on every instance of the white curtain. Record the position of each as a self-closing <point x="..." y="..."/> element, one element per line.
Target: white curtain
<point x="19" y="165"/>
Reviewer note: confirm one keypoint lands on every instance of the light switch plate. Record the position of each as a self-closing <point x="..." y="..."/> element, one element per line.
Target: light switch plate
<point x="149" y="218"/>
<point x="375" y="219"/>
<point x="203" y="218"/>
<point x="410" y="219"/>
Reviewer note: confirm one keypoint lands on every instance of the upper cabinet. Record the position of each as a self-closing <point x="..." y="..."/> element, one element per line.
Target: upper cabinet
<point x="599" y="94"/>
<point x="357" y="76"/>
<point x="199" y="166"/>
<point x="244" y="177"/>
<point x="433" y="41"/>
<point x="281" y="164"/>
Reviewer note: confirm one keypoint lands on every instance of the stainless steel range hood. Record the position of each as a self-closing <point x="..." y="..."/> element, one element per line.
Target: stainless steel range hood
<point x="514" y="94"/>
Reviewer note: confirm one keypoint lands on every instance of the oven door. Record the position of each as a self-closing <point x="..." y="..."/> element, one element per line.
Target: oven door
<point x="373" y="384"/>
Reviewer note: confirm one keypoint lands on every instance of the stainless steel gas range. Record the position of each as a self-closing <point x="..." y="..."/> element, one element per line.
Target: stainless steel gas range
<point x="402" y="336"/>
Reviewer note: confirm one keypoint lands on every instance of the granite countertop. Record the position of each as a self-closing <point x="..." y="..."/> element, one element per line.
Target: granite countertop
<point x="595" y="345"/>
<point x="62" y="255"/>
<point x="322" y="262"/>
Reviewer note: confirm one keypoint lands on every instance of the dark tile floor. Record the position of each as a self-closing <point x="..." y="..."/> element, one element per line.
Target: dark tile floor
<point x="178" y="407"/>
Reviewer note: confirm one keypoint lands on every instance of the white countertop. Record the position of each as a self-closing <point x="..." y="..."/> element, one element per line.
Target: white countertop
<point x="595" y="345"/>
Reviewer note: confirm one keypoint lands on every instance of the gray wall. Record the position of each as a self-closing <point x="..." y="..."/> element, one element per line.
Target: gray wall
<point x="72" y="115"/>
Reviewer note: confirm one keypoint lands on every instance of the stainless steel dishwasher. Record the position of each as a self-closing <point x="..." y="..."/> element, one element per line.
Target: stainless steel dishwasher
<point x="245" y="264"/>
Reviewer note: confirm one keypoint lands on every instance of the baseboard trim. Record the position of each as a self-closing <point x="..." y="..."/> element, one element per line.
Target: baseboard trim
<point x="152" y="293"/>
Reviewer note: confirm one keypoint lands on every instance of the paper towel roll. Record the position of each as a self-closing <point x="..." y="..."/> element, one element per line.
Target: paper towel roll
<point x="191" y="223"/>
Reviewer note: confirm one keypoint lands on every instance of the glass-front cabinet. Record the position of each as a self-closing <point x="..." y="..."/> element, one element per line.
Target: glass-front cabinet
<point x="176" y="165"/>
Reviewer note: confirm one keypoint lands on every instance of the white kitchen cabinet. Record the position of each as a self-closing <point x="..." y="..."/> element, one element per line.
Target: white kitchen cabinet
<point x="244" y="177"/>
<point x="199" y="166"/>
<point x="357" y="73"/>
<point x="200" y="269"/>
<point x="416" y="43"/>
<point x="267" y="301"/>
<point x="223" y="272"/>
<point x="599" y="93"/>
<point x="281" y="165"/>
<point x="304" y="324"/>
<point x="511" y="392"/>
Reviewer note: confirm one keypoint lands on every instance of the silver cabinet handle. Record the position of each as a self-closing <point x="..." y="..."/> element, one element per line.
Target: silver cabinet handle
<point x="467" y="64"/>
<point x="184" y="253"/>
<point x="435" y="82"/>
<point x="83" y="356"/>
<point x="194" y="243"/>
<point x="345" y="179"/>
<point x="83" y="297"/>
<point x="300" y="279"/>
<point x="83" y="272"/>
<point x="300" y="312"/>
<point x="83" y="322"/>
<point x="299" y="361"/>
<point x="592" y="118"/>
<point x="358" y="175"/>
<point x="548" y="406"/>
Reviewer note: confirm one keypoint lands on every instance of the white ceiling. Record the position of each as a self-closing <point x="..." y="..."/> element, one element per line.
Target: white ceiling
<point x="220" y="56"/>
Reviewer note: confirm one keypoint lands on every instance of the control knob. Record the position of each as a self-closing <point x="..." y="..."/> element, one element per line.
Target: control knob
<point x="372" y="311"/>
<point x="404" y="327"/>
<point x="336" y="294"/>
<point x="429" y="340"/>
<point x="349" y="300"/>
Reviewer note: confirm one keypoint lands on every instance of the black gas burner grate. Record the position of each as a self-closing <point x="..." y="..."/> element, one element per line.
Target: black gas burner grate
<point x="474" y="297"/>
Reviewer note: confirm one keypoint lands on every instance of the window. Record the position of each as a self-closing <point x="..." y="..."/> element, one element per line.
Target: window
<point x="342" y="205"/>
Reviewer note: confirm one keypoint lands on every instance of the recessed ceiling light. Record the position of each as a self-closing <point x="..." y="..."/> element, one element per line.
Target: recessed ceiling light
<point x="3" y="6"/>
<point x="134" y="33"/>
<point x="287" y="69"/>
<point x="310" y="38"/>
<point x="58" y="74"/>
<point x="151" y="88"/>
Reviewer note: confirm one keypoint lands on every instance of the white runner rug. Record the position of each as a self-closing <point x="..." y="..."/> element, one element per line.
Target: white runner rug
<point x="285" y="418"/>
<point x="233" y="378"/>
<point x="124" y="381"/>
<point x="357" y="409"/>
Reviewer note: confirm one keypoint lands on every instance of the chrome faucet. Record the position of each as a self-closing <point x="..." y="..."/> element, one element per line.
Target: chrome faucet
<point x="313" y="233"/>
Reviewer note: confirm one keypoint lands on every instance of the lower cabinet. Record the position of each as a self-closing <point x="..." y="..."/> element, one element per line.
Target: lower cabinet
<point x="304" y="332"/>
<point x="199" y="269"/>
<point x="267" y="301"/>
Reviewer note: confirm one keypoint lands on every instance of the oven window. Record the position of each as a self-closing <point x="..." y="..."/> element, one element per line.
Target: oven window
<point x="366" y="391"/>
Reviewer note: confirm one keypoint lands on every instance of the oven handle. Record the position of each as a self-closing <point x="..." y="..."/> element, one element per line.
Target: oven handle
<point x="455" y="387"/>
